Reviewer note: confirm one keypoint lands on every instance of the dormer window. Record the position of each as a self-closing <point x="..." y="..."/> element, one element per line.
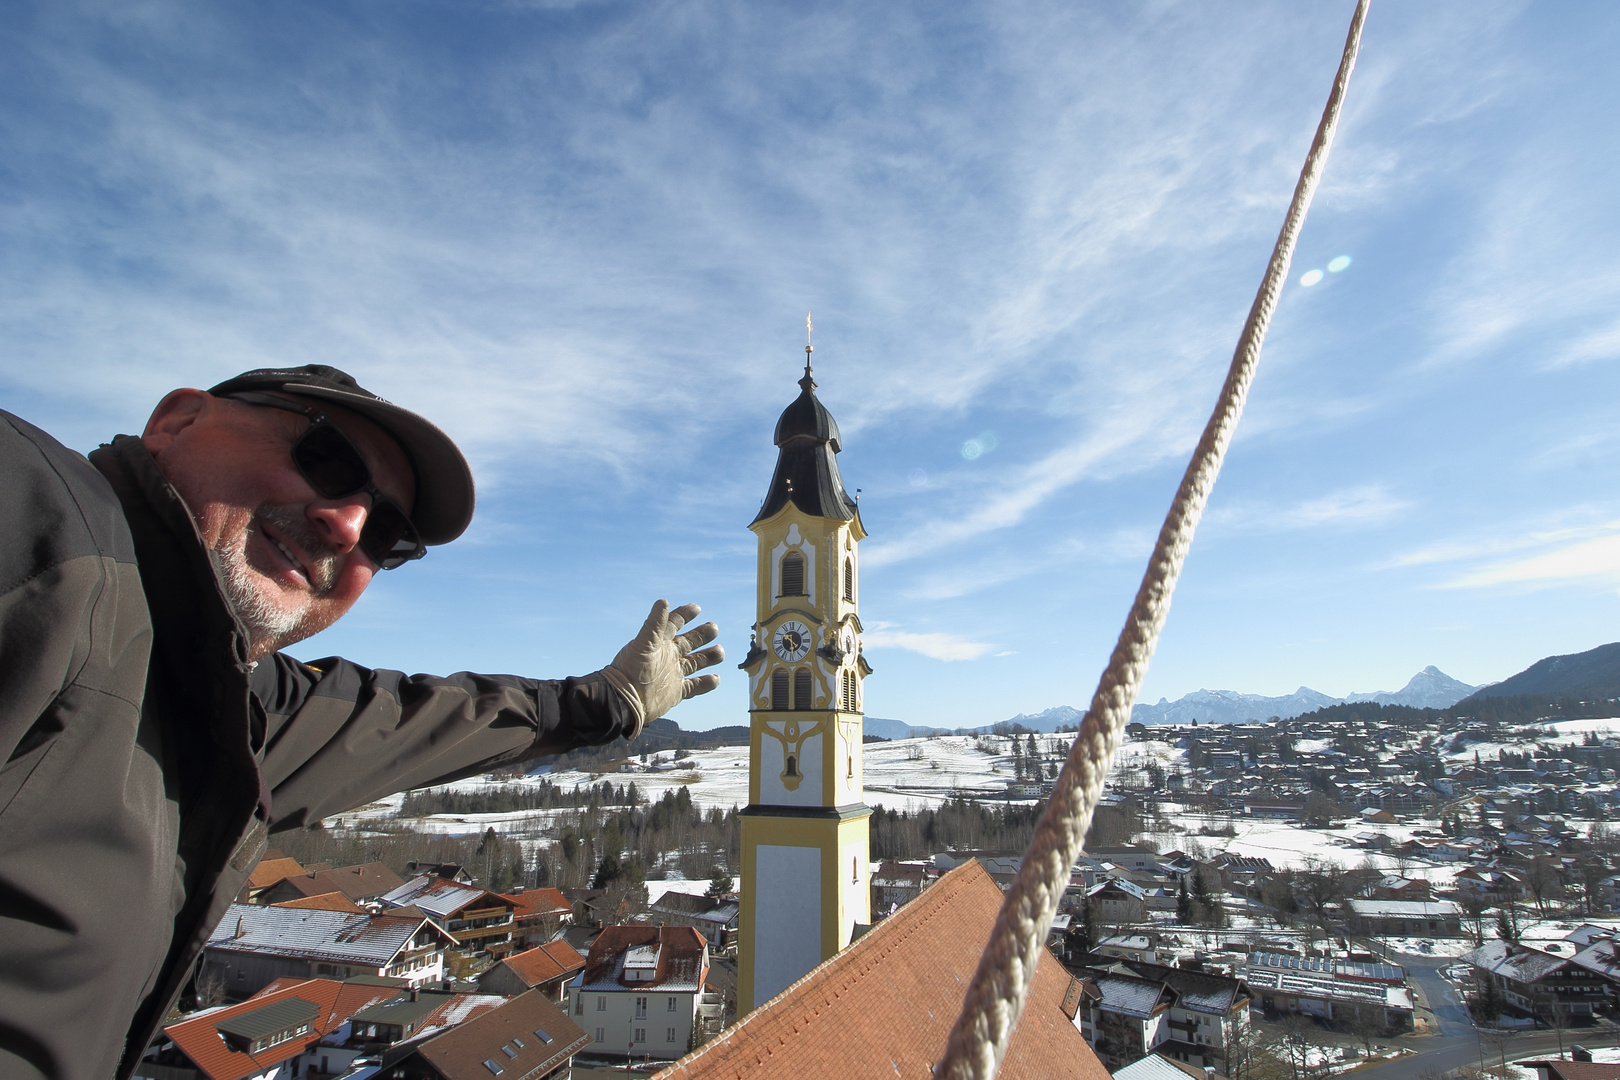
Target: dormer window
<point x="793" y="574"/>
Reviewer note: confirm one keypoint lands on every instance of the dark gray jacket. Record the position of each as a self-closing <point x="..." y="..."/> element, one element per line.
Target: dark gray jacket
<point x="146" y="760"/>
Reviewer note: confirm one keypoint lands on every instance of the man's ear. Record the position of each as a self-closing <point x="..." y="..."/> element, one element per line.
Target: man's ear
<point x="173" y="415"/>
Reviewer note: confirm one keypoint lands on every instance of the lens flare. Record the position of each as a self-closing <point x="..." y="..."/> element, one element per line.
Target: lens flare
<point x="917" y="478"/>
<point x="1341" y="263"/>
<point x="979" y="445"/>
<point x="1310" y="277"/>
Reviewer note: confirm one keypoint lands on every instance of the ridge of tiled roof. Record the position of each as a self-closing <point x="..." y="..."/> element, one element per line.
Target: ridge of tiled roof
<point x="545" y="962"/>
<point x="331" y="901"/>
<point x="884" y="1006"/>
<point x="270" y="871"/>
<point x="533" y="902"/>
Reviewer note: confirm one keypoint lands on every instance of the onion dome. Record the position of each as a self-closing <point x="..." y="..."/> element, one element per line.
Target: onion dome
<point x="806" y="466"/>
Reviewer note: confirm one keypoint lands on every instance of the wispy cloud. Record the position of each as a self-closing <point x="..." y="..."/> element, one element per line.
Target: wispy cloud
<point x="937" y="646"/>
<point x="1365" y="504"/>
<point x="1591" y="559"/>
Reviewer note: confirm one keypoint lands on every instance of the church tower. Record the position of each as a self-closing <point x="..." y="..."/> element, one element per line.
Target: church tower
<point x="805" y="846"/>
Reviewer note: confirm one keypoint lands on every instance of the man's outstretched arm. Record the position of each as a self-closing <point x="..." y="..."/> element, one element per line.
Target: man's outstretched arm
<point x="338" y="735"/>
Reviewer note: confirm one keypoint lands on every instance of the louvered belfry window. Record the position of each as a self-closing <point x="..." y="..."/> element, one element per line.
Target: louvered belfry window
<point x="779" y="689"/>
<point x="793" y="574"/>
<point x="801" y="689"/>
<point x="849" y="579"/>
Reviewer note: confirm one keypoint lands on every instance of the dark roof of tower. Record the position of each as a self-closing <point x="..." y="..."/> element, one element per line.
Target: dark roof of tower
<point x="806" y="463"/>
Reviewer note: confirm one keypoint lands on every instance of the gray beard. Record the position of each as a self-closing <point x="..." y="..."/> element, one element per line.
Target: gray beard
<point x="270" y="627"/>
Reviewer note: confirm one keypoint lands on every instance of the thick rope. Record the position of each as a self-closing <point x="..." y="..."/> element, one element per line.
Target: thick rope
<point x="995" y="999"/>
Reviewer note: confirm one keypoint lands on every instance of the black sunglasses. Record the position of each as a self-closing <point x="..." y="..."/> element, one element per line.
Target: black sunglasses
<point x="334" y="468"/>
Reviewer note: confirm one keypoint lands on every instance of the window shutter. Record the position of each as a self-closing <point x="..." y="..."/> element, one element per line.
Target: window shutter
<point x="779" y="689"/>
<point x="801" y="689"/>
<point x="849" y="579"/>
<point x="793" y="574"/>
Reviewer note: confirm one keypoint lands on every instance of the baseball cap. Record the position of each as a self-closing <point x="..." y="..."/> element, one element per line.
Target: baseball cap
<point x="444" y="482"/>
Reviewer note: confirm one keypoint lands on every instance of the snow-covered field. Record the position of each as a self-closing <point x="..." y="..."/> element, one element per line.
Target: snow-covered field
<point x="1556" y="733"/>
<point x="910" y="774"/>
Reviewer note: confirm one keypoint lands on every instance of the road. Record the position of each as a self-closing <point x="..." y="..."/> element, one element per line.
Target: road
<point x="1458" y="1043"/>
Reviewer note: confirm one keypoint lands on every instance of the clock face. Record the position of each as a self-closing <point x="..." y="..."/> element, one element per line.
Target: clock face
<point x="791" y="641"/>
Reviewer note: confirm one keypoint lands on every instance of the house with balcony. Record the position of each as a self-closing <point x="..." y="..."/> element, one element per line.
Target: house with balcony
<point x="1549" y="979"/>
<point x="255" y="945"/>
<point x="480" y="922"/>
<point x="642" y="989"/>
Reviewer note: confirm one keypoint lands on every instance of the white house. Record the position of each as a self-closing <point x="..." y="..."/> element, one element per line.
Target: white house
<point x="640" y="990"/>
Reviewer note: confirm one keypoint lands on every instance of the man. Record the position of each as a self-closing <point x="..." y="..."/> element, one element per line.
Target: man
<point x="152" y="732"/>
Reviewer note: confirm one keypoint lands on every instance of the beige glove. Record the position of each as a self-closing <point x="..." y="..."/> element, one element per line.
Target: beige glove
<point x="651" y="672"/>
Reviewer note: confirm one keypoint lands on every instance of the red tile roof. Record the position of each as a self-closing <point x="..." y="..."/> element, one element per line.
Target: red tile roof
<point x="553" y="960"/>
<point x="355" y="882"/>
<point x="460" y="1054"/>
<point x="883" y="1007"/>
<point x="199" y="1038"/>
<point x="681" y="956"/>
<point x="1575" y="1070"/>
<point x="270" y="871"/>
<point x="533" y="903"/>
<point x="332" y="901"/>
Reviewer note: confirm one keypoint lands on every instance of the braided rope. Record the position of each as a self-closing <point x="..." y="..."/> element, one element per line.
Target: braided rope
<point x="995" y="999"/>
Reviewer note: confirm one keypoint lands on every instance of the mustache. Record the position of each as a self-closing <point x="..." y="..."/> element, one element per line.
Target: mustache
<point x="320" y="558"/>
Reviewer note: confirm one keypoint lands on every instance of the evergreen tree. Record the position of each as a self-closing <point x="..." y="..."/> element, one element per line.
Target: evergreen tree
<point x="720" y="883"/>
<point x="1507" y="924"/>
<point x="1184" y="907"/>
<point x="608" y="872"/>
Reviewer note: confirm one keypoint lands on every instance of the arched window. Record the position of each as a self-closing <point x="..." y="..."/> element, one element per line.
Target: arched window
<point x="779" y="689"/>
<point x="801" y="689"/>
<point x="849" y="579"/>
<point x="847" y="690"/>
<point x="793" y="574"/>
<point x="792" y="765"/>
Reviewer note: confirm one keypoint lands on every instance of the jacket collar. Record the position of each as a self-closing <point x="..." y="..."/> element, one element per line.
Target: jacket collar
<point x="195" y="630"/>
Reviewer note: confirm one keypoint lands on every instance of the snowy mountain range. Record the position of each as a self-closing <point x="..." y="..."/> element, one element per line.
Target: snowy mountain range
<point x="1430" y="688"/>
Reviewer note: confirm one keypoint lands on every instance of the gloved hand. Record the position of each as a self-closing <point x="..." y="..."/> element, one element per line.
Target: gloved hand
<point x="651" y="672"/>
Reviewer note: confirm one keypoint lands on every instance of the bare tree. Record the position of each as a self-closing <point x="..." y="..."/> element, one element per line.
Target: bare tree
<point x="1499" y="1039"/>
<point x="1474" y="908"/>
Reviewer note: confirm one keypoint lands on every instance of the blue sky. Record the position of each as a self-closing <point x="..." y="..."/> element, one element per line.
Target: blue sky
<point x="583" y="238"/>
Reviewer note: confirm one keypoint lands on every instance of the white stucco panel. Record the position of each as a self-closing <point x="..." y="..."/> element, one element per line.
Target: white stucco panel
<point x="787" y="917"/>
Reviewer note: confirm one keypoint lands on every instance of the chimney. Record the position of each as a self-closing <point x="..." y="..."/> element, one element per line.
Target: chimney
<point x="414" y="991"/>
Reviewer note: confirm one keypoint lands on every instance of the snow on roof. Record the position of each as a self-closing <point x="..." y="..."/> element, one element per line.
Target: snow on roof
<point x="441" y="897"/>
<point x="1518" y="962"/>
<point x="1153" y="1067"/>
<point x="1134" y="997"/>
<point x="1407" y="909"/>
<point x="314" y="934"/>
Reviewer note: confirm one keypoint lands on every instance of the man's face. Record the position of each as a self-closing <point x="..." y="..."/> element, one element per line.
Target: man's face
<point x="290" y="559"/>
